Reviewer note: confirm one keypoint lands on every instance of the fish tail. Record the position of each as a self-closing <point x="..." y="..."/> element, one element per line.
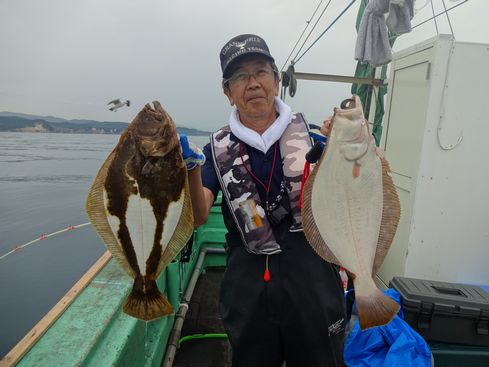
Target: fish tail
<point x="145" y="301"/>
<point x="374" y="307"/>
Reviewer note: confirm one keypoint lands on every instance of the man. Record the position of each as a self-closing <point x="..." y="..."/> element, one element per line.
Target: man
<point x="279" y="300"/>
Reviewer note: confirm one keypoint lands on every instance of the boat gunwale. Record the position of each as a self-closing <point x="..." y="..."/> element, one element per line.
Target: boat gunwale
<point x="31" y="338"/>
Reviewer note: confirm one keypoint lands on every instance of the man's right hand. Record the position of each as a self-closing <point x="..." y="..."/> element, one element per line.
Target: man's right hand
<point x="326" y="127"/>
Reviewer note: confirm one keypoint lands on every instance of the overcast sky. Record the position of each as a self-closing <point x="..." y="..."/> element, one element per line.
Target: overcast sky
<point x="69" y="58"/>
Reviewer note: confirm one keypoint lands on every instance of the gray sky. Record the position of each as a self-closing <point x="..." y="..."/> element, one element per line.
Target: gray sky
<point x="69" y="58"/>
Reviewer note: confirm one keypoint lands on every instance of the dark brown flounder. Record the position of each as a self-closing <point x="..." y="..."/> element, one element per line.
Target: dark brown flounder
<point x="139" y="204"/>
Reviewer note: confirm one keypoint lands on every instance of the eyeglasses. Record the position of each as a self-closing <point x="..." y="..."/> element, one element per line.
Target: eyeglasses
<point x="242" y="77"/>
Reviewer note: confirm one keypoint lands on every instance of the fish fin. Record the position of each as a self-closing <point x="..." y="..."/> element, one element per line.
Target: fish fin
<point x="380" y="153"/>
<point x="183" y="230"/>
<point x="391" y="213"/>
<point x="374" y="308"/>
<point x="96" y="211"/>
<point x="310" y="227"/>
<point x="145" y="301"/>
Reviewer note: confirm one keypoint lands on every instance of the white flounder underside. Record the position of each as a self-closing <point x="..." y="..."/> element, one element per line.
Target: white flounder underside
<point x="141" y="223"/>
<point x="348" y="209"/>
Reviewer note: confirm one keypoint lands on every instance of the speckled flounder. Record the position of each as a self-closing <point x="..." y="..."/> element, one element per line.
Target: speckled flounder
<point x="139" y="204"/>
<point x="351" y="210"/>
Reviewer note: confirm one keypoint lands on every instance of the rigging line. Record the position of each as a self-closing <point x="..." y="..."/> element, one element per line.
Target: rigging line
<point x="307" y="25"/>
<point x="437" y="15"/>
<point x="334" y="21"/>
<point x="315" y="24"/>
<point x="448" y="18"/>
<point x="433" y="11"/>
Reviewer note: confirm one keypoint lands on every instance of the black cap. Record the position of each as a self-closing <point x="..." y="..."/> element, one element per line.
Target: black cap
<point x="244" y="44"/>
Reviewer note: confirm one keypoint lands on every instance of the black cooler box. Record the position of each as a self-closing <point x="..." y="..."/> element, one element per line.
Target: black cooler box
<point x="445" y="312"/>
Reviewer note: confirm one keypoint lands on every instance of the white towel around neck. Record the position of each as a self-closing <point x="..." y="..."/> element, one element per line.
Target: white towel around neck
<point x="264" y="141"/>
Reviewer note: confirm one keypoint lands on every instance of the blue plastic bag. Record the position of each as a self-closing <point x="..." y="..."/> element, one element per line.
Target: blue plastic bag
<point x="395" y="344"/>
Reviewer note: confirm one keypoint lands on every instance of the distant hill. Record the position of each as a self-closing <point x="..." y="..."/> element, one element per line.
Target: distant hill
<point x="12" y="123"/>
<point x="21" y="122"/>
<point x="32" y="117"/>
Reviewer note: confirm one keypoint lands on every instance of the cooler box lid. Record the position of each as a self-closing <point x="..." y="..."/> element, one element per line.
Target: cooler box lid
<point x="452" y="298"/>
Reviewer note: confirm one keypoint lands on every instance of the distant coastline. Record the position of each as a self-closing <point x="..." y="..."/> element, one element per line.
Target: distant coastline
<point x="18" y="122"/>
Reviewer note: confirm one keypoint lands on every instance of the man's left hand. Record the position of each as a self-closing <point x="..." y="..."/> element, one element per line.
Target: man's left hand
<point x="192" y="155"/>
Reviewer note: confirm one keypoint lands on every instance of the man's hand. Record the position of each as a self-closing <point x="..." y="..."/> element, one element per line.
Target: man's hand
<point x="321" y="134"/>
<point x="192" y="155"/>
<point x="326" y="128"/>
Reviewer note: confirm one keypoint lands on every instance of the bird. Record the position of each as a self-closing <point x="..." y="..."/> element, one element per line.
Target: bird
<point x="118" y="103"/>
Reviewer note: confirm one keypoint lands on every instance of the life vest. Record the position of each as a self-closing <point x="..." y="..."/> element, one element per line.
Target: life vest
<point x="239" y="189"/>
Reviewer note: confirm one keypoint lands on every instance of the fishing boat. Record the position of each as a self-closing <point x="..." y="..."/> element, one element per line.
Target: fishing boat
<point x="88" y="328"/>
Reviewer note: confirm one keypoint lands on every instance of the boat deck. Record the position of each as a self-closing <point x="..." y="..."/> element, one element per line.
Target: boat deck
<point x="202" y="318"/>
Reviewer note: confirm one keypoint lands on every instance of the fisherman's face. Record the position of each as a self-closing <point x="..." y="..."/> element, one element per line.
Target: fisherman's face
<point x="253" y="94"/>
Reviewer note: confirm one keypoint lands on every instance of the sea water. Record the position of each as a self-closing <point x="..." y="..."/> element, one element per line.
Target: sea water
<point x="44" y="181"/>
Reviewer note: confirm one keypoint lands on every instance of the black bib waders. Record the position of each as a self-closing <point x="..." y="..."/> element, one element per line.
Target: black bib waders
<point x="298" y="316"/>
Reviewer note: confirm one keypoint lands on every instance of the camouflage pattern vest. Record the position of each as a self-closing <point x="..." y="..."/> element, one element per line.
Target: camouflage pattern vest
<point x="242" y="195"/>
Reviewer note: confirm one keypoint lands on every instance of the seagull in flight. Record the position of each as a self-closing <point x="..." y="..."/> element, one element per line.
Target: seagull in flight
<point x="118" y="103"/>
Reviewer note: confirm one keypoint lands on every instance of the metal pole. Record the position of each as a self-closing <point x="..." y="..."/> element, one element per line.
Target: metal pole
<point x="340" y="79"/>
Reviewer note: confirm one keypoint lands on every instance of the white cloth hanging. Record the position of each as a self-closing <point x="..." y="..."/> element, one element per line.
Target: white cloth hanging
<point x="373" y="45"/>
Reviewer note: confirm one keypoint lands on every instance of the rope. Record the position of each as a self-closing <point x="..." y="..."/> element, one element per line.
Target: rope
<point x="307" y="25"/>
<point x="322" y="34"/>
<point x="43" y="237"/>
<point x="442" y="108"/>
